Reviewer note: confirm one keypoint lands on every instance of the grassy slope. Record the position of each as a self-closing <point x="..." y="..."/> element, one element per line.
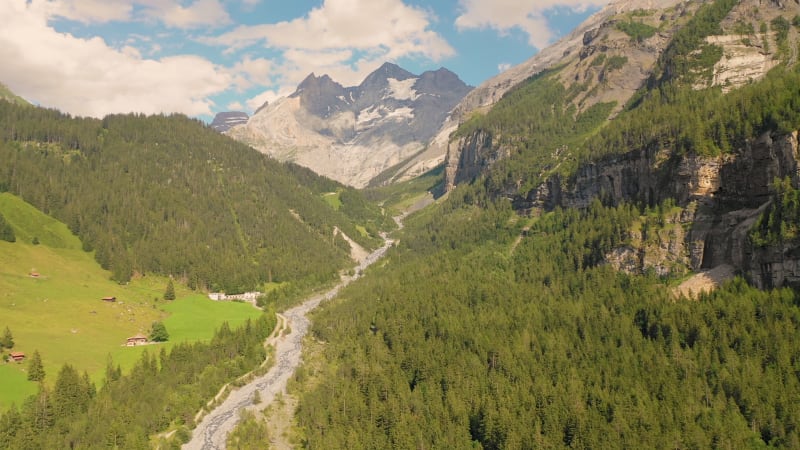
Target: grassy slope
<point x="61" y="314"/>
<point x="5" y="93"/>
<point x="400" y="196"/>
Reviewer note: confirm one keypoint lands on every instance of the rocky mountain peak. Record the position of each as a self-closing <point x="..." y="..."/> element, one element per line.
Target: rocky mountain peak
<point x="352" y="134"/>
<point x="440" y="79"/>
<point x="321" y="95"/>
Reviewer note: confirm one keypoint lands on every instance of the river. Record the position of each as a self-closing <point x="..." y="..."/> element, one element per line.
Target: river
<point x="212" y="431"/>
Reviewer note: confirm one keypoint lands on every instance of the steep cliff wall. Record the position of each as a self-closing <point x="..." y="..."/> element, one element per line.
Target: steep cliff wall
<point x="719" y="199"/>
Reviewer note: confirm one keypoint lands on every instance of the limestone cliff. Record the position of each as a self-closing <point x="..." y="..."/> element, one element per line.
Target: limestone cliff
<point x="719" y="198"/>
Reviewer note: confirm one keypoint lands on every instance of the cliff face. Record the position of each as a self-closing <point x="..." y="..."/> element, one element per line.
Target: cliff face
<point x="718" y="200"/>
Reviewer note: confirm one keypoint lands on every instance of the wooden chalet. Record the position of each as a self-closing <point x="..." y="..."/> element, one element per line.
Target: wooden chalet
<point x="139" y="339"/>
<point x="109" y="299"/>
<point x="17" y="356"/>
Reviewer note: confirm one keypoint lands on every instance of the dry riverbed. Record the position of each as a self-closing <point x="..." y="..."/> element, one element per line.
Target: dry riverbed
<point x="213" y="429"/>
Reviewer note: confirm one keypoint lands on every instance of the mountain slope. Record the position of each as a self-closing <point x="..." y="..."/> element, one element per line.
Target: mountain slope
<point x="6" y="94"/>
<point x="143" y="191"/>
<point x="352" y="134"/>
<point x="500" y="321"/>
<point x="692" y="134"/>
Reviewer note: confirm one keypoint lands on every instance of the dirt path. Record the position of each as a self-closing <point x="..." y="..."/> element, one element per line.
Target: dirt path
<point x="213" y="430"/>
<point x="707" y="281"/>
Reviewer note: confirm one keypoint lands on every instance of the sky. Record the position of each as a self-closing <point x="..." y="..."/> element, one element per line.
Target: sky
<point x="200" y="57"/>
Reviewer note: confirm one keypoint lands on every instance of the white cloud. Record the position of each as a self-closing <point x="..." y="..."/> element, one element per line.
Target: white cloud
<point x="527" y="15"/>
<point x="251" y="72"/>
<point x="265" y="97"/>
<point x="171" y="13"/>
<point x="198" y="14"/>
<point x="502" y="67"/>
<point x="345" y="39"/>
<point x="87" y="77"/>
<point x="88" y="11"/>
<point x="234" y="106"/>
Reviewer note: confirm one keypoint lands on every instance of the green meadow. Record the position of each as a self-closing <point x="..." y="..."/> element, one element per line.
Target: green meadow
<point x="60" y="312"/>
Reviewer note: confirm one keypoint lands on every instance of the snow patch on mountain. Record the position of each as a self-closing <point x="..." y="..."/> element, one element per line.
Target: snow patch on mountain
<point x="402" y="89"/>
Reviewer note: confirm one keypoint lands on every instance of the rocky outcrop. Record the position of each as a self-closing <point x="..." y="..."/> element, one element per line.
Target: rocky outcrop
<point x="744" y="60"/>
<point x="719" y="200"/>
<point x="224" y="121"/>
<point x="476" y="154"/>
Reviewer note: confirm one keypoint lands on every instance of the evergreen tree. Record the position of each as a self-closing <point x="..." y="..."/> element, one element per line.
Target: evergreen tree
<point x="35" y="367"/>
<point x="71" y="393"/>
<point x="158" y="332"/>
<point x="169" y="294"/>
<point x="6" y="232"/>
<point x="7" y="341"/>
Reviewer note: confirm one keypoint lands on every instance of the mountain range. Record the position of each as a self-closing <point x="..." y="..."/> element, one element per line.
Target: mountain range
<point x="354" y="134"/>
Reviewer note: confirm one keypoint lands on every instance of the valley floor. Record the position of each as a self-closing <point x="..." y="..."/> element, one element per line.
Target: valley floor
<point x="212" y="431"/>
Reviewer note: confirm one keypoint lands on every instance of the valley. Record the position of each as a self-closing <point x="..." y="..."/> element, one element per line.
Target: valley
<point x="598" y="247"/>
<point x="212" y="431"/>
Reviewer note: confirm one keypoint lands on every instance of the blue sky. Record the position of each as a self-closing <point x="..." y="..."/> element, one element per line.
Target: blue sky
<point x="199" y="57"/>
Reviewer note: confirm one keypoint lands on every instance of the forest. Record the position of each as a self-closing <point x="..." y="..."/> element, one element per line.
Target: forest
<point x="462" y="342"/>
<point x="142" y="192"/>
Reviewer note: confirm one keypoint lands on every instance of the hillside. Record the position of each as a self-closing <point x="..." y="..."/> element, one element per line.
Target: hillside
<point x="142" y="192"/>
<point x="692" y="133"/>
<point x="51" y="295"/>
<point x="6" y="94"/>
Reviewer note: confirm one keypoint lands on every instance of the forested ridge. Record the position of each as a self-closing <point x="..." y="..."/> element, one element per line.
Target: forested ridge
<point x="167" y="194"/>
<point x="456" y="343"/>
<point x="538" y="124"/>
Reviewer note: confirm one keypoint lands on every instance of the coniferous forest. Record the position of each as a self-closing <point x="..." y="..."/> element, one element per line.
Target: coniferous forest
<point x="258" y="221"/>
<point x="460" y="342"/>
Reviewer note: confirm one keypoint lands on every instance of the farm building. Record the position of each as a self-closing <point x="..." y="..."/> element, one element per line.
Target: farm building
<point x="17" y="356"/>
<point x="109" y="299"/>
<point x="139" y="339"/>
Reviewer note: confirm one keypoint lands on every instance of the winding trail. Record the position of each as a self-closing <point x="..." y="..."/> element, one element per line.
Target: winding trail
<point x="213" y="430"/>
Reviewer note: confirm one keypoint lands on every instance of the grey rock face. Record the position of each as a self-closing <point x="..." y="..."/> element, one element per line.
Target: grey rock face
<point x="352" y="134"/>
<point x="224" y="121"/>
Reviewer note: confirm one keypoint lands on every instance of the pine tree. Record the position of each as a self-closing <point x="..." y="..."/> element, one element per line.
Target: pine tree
<point x="7" y="341"/>
<point x="169" y="294"/>
<point x="35" y="367"/>
<point x="6" y="232"/>
<point x="158" y="332"/>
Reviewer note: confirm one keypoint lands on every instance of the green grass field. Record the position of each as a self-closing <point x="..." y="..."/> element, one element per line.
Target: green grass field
<point x="195" y="317"/>
<point x="397" y="198"/>
<point x="333" y="199"/>
<point x="60" y="313"/>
